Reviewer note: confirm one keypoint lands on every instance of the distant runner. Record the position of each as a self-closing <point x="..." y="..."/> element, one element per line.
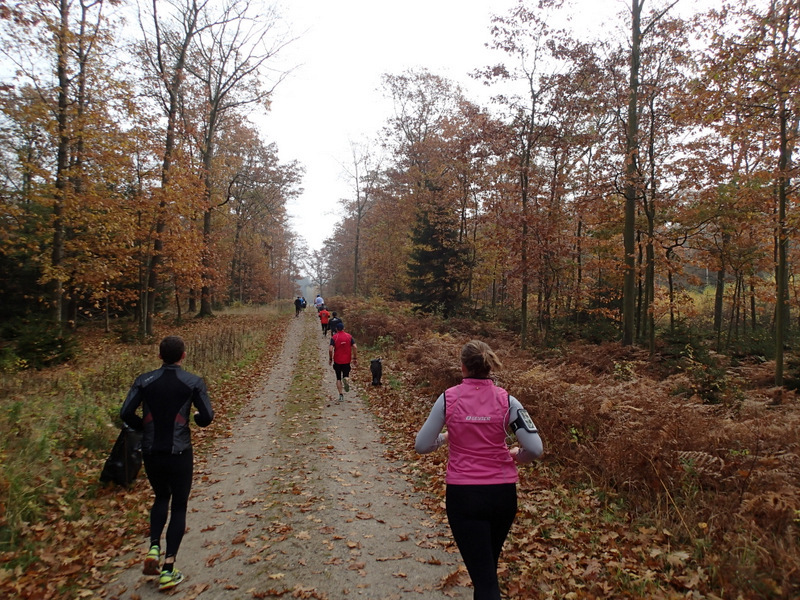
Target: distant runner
<point x="324" y="318"/>
<point x="341" y="352"/>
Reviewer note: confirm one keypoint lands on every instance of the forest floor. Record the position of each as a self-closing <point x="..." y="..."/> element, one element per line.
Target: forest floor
<point x="663" y="477"/>
<point x="302" y="501"/>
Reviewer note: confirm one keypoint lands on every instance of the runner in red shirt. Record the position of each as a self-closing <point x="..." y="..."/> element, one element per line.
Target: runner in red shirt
<point x="341" y="352"/>
<point x="324" y="317"/>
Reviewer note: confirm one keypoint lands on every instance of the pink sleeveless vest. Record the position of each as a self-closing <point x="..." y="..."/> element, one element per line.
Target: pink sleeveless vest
<point x="475" y="414"/>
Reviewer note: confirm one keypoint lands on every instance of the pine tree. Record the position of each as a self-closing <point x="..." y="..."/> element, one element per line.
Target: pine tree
<point x="437" y="267"/>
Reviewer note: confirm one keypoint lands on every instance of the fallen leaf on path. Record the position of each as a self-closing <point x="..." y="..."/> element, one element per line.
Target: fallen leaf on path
<point x="234" y="554"/>
<point x="400" y="556"/>
<point x="196" y="590"/>
<point x="212" y="559"/>
<point x="270" y="593"/>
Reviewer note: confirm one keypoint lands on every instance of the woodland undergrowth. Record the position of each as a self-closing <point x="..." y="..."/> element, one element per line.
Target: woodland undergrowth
<point x="650" y="487"/>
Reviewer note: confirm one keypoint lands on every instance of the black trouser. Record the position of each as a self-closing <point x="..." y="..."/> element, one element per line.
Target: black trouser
<point x="480" y="518"/>
<point x="170" y="476"/>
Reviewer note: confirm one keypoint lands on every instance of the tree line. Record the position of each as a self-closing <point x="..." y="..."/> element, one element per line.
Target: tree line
<point x="622" y="179"/>
<point x="616" y="184"/>
<point x="133" y="180"/>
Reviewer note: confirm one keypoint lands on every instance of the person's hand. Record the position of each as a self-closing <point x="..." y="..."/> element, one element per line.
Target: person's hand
<point x="514" y="451"/>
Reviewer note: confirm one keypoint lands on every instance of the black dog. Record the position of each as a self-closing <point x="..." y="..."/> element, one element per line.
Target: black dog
<point x="376" y="368"/>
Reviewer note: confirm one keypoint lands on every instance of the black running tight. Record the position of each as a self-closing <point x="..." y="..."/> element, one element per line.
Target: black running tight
<point x="480" y="518"/>
<point x="170" y="476"/>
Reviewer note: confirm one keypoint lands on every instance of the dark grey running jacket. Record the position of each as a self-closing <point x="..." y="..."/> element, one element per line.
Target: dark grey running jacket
<point x="166" y="396"/>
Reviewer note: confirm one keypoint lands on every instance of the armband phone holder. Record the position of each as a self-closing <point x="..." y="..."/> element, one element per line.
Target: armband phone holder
<point x="523" y="421"/>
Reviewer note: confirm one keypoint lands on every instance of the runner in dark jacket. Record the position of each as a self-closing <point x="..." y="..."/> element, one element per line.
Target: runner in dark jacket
<point x="167" y="397"/>
<point x="332" y="322"/>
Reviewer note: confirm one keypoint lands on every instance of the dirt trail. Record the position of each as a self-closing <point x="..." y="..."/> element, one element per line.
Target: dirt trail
<point x="300" y="502"/>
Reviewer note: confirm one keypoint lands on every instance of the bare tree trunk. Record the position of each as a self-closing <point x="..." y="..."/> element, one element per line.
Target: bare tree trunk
<point x="62" y="163"/>
<point x="784" y="177"/>
<point x="631" y="178"/>
<point x="641" y="301"/>
<point x="172" y="76"/>
<point x="524" y="261"/>
<point x="719" y="292"/>
<point x="632" y="188"/>
<point x="579" y="269"/>
<point x="107" y="312"/>
<point x="650" y="276"/>
<point x="671" y="283"/>
<point x="782" y="283"/>
<point x="179" y="314"/>
<point x="205" y="291"/>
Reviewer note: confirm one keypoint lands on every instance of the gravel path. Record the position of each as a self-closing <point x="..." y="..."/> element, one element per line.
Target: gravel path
<point x="300" y="502"/>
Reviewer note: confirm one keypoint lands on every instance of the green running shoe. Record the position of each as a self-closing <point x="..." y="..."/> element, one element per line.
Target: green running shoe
<point x="151" y="561"/>
<point x="169" y="579"/>
<point x="346" y="384"/>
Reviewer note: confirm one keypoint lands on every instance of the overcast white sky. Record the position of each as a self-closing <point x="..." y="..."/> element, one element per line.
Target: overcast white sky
<point x="333" y="96"/>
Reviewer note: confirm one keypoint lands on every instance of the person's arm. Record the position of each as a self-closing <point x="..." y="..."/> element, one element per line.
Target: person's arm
<point x="201" y="401"/>
<point x="530" y="442"/>
<point x="354" y="351"/>
<point x="330" y="350"/>
<point x="128" y="411"/>
<point x="430" y="437"/>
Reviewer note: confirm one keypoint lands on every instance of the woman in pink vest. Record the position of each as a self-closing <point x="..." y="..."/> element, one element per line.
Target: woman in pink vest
<point x="481" y="478"/>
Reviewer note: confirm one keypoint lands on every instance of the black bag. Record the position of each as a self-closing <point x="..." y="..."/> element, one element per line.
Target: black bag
<point x="123" y="464"/>
<point x="376" y="368"/>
